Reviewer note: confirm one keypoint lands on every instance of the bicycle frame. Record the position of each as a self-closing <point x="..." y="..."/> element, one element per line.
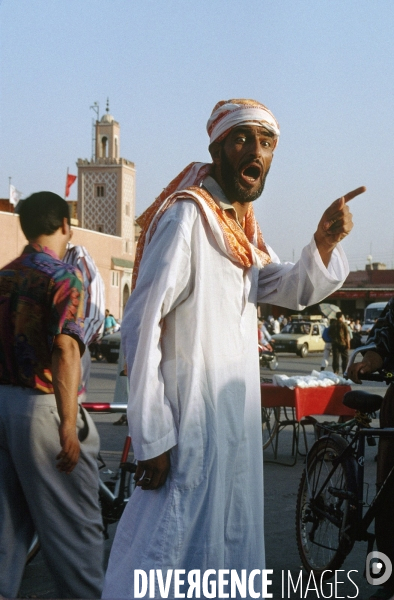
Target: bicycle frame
<point x="117" y="496"/>
<point x="114" y="500"/>
<point x="362" y="521"/>
<point x="331" y="511"/>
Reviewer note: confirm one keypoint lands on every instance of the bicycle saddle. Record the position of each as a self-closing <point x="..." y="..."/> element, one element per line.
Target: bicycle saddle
<point x="362" y="401"/>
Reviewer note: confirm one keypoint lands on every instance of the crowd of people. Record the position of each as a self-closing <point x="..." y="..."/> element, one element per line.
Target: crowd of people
<point x="340" y="335"/>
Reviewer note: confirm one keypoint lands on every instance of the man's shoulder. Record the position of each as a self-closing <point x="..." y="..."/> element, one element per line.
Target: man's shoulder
<point x="183" y="214"/>
<point x="54" y="267"/>
<point x="44" y="264"/>
<point x="184" y="209"/>
<point x="16" y="262"/>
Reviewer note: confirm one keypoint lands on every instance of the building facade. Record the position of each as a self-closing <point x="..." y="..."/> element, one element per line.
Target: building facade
<point x="106" y="187"/>
<point x="106" y="205"/>
<point x="374" y="284"/>
<point x="103" y="217"/>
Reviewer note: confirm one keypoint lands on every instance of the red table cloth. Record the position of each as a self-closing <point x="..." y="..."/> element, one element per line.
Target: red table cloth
<point x="307" y="401"/>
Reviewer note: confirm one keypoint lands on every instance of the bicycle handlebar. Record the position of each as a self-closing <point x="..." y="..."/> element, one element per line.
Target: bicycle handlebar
<point x="357" y="351"/>
<point x="382" y="376"/>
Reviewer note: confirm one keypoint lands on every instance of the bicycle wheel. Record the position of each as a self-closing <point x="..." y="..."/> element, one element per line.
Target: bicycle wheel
<point x="269" y="424"/>
<point x="325" y="515"/>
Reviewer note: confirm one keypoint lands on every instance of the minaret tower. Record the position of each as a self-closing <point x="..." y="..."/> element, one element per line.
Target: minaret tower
<point x="106" y="186"/>
<point x="107" y="136"/>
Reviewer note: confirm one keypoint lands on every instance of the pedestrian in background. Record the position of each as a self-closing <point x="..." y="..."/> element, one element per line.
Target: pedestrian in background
<point x="264" y="336"/>
<point x="48" y="444"/>
<point x="93" y="307"/>
<point x="340" y="339"/>
<point x="357" y="325"/>
<point x="109" y="323"/>
<point x="327" y="346"/>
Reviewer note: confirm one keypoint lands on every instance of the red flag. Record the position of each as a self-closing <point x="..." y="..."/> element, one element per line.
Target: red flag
<point x="69" y="181"/>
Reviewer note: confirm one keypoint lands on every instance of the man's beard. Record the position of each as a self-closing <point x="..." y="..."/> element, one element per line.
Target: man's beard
<point x="233" y="189"/>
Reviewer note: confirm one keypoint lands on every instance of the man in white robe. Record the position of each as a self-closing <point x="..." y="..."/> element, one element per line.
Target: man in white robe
<point x="190" y="339"/>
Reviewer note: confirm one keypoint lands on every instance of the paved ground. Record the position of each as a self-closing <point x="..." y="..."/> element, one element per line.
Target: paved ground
<point x="281" y="484"/>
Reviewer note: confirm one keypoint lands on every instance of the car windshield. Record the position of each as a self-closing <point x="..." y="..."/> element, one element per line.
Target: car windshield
<point x="300" y="328"/>
<point x="372" y="314"/>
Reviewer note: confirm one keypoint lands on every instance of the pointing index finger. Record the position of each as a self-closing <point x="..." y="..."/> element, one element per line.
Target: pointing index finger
<point x="354" y="193"/>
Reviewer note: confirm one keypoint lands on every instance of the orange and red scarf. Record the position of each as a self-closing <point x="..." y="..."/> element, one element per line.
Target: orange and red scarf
<point x="245" y="245"/>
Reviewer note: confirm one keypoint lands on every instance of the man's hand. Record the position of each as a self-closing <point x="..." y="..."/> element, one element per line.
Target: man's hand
<point x="371" y="362"/>
<point x="69" y="454"/>
<point x="152" y="473"/>
<point x="335" y="224"/>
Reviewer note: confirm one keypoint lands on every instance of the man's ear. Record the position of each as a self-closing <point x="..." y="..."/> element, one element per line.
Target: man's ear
<point x="64" y="225"/>
<point x="215" y="150"/>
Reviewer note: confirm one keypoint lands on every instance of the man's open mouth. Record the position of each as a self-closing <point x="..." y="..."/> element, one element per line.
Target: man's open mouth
<point x="251" y="173"/>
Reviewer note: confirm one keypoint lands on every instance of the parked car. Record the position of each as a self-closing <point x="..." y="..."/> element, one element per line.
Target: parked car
<point x="110" y="346"/>
<point x="300" y="337"/>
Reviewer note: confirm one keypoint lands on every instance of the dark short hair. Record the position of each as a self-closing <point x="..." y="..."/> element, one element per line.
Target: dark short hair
<point x="42" y="213"/>
<point x="339" y="315"/>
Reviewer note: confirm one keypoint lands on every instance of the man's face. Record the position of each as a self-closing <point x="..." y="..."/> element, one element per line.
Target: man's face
<point x="244" y="162"/>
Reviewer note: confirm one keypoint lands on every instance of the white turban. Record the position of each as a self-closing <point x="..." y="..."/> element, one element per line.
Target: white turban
<point x="231" y="113"/>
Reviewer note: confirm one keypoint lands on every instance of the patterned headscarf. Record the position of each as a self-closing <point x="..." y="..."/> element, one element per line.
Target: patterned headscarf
<point x="246" y="247"/>
<point x="231" y="113"/>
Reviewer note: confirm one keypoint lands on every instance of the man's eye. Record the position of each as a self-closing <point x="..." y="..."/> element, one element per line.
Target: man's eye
<point x="241" y="139"/>
<point x="266" y="143"/>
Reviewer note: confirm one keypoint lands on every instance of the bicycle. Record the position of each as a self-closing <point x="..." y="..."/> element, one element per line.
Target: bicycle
<point x="330" y="515"/>
<point x="115" y="492"/>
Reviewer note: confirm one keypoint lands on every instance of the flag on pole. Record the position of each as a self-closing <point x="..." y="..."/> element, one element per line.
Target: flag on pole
<point x="15" y="195"/>
<point x="69" y="181"/>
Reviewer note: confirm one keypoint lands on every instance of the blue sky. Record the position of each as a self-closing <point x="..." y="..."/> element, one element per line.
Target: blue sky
<point x="324" y="67"/>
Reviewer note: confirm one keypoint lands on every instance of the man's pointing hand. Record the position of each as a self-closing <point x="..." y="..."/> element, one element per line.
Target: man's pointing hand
<point x="335" y="224"/>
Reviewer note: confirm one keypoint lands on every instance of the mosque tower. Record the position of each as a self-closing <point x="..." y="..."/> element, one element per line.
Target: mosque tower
<point x="106" y="186"/>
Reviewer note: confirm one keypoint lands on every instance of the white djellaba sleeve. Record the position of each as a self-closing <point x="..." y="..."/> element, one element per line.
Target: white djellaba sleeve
<point x="304" y="283"/>
<point x="163" y="282"/>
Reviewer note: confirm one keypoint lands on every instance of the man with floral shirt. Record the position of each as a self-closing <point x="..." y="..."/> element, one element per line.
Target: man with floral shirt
<point x="48" y="444"/>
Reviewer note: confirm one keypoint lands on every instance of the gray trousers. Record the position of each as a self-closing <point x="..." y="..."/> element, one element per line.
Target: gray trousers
<point x="34" y="495"/>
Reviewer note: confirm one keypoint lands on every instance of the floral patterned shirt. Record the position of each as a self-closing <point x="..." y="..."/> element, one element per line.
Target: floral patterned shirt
<point x="40" y="297"/>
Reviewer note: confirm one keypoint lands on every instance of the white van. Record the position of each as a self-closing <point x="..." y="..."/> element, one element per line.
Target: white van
<point x="371" y="313"/>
